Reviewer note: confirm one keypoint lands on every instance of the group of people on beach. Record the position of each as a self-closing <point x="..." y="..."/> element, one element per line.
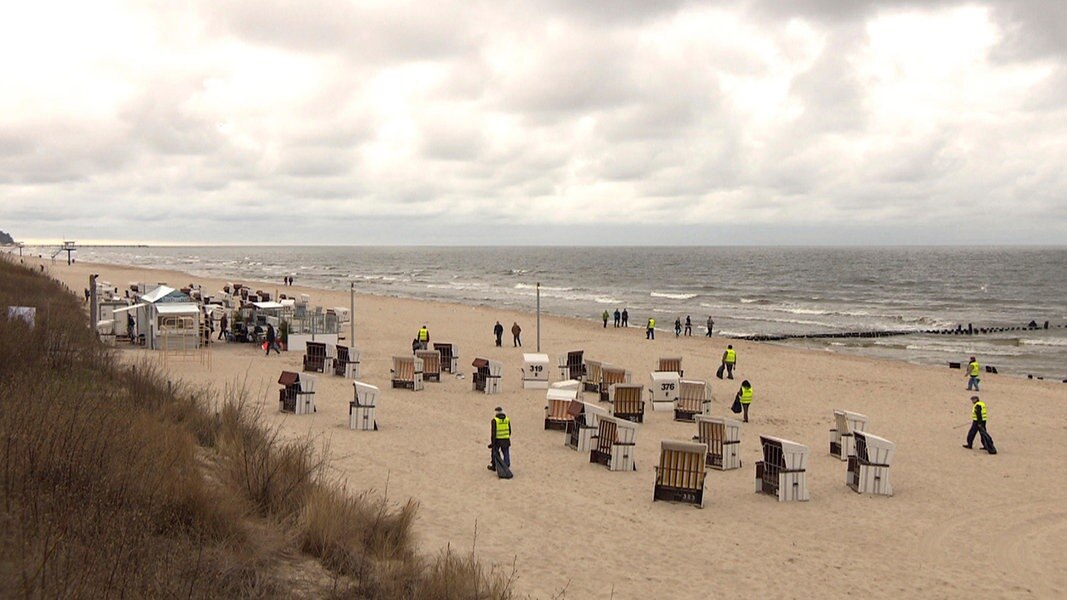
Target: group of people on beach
<point x="516" y="332"/>
<point x="622" y="319"/>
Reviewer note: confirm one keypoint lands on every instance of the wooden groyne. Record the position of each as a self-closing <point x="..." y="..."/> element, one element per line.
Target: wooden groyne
<point x="970" y="329"/>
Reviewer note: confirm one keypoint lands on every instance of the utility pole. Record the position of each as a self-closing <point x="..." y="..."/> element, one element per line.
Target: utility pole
<point x="538" y="316"/>
<point x="352" y="315"/>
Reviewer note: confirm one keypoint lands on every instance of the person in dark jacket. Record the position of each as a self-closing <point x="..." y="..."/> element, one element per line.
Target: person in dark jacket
<point x="979" y="416"/>
<point x="515" y="332"/>
<point x="272" y="343"/>
<point x="224" y="325"/>
<point x="500" y="438"/>
<point x="498" y="331"/>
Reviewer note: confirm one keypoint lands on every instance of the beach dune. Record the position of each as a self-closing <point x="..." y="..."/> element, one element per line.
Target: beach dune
<point x="960" y="523"/>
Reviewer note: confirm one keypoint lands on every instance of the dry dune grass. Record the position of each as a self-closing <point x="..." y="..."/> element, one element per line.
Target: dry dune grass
<point x="116" y="482"/>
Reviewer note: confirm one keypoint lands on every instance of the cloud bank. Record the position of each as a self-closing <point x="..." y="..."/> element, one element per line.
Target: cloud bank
<point x="532" y="122"/>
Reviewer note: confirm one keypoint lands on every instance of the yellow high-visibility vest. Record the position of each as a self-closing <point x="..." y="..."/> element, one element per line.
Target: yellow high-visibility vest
<point x="975" y="369"/>
<point x="979" y="409"/>
<point x="424" y="335"/>
<point x="651" y="323"/>
<point x="731" y="356"/>
<point x="746" y="395"/>
<point x="503" y="428"/>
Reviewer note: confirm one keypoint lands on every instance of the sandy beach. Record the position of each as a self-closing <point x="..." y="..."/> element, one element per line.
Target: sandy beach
<point x="961" y="523"/>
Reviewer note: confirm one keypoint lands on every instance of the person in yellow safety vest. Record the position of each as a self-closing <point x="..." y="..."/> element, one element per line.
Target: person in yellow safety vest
<point x="500" y="439"/>
<point x="423" y="337"/>
<point x="729" y="359"/>
<point x="979" y="416"/>
<point x="973" y="370"/>
<point x="744" y="396"/>
<point x="650" y="331"/>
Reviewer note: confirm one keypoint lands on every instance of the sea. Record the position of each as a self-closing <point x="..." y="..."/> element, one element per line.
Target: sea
<point x="746" y="290"/>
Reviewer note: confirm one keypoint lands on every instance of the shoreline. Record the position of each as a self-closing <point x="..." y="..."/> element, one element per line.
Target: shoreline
<point x="565" y="523"/>
<point x="792" y="343"/>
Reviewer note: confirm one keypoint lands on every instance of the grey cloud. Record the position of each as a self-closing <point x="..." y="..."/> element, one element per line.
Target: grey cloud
<point x="386" y="32"/>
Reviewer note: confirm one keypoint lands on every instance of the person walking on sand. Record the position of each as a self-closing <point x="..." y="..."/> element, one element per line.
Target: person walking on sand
<point x="650" y="329"/>
<point x="272" y="343"/>
<point x="979" y="416"/>
<point x="423" y="337"/>
<point x="515" y="331"/>
<point x="973" y="370"/>
<point x="744" y="397"/>
<point x="688" y="326"/>
<point x="605" y="317"/>
<point x="729" y="360"/>
<point x="677" y="326"/>
<point x="618" y="317"/>
<point x="224" y="323"/>
<point x="498" y="331"/>
<point x="500" y="439"/>
<point x="625" y="318"/>
<point x="710" y="326"/>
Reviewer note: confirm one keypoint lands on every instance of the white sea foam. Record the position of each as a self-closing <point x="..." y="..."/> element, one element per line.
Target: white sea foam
<point x="1044" y="342"/>
<point x="673" y="296"/>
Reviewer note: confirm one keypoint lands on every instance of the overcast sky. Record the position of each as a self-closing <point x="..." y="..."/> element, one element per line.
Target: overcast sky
<point x="534" y="122"/>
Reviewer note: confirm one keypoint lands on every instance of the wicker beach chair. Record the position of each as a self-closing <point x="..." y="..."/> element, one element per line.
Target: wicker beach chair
<point x="407" y="372"/>
<point x="672" y="365"/>
<point x="361" y="408"/>
<point x="315" y="357"/>
<point x="681" y="473"/>
<point x="868" y="466"/>
<point x="346" y="364"/>
<point x="615" y="442"/>
<point x="558" y="410"/>
<point x="782" y="472"/>
<point x="627" y="401"/>
<point x="723" y="439"/>
<point x="694" y="398"/>
<point x="431" y="364"/>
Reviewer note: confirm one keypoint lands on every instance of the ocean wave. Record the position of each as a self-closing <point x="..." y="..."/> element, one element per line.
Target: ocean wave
<point x="526" y="286"/>
<point x="1044" y="342"/>
<point x="673" y="296"/>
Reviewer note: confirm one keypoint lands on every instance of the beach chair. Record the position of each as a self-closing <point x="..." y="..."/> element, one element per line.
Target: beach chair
<point x="346" y="364"/>
<point x="593" y="377"/>
<point x="664" y="389"/>
<point x="534" y="371"/>
<point x="681" y="472"/>
<point x="841" y="440"/>
<point x="584" y="425"/>
<point x="361" y="408"/>
<point x="868" y="466"/>
<point x="614" y="444"/>
<point x="449" y="356"/>
<point x="407" y="372"/>
<point x="315" y="357"/>
<point x="486" y="376"/>
<point x="431" y="364"/>
<point x="627" y="402"/>
<point x="671" y="365"/>
<point x="572" y="366"/>
<point x="609" y="376"/>
<point x="722" y="436"/>
<point x="782" y="472"/>
<point x="557" y="411"/>
<point x="694" y="398"/>
<point x="568" y="384"/>
<point x="297" y="395"/>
